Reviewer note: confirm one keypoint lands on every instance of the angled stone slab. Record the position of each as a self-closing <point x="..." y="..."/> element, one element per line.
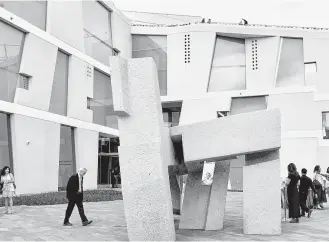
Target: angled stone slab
<point x="230" y="136"/>
<point x="143" y="151"/>
<point x="262" y="194"/>
<point x="217" y="200"/>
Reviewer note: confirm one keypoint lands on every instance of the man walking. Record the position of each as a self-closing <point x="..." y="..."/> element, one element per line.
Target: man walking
<point x="74" y="193"/>
<point x="305" y="184"/>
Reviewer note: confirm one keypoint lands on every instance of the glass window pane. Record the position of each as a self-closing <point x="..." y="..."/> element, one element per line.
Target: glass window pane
<point x="291" y="63"/>
<point x="11" y="41"/>
<point x="228" y="70"/>
<point x="58" y="101"/>
<point x="5" y="146"/>
<point x="102" y="103"/>
<point x="310" y="67"/>
<point x="155" y="47"/>
<point x="248" y="104"/>
<point x="98" y="32"/>
<point x="34" y="12"/>
<point x="67" y="165"/>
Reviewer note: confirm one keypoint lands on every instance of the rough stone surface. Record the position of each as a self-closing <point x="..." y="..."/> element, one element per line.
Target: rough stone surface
<point x="261" y="196"/>
<point x="195" y="204"/>
<point x="217" y="201"/>
<point x="144" y="169"/>
<point x="261" y="130"/>
<point x="44" y="223"/>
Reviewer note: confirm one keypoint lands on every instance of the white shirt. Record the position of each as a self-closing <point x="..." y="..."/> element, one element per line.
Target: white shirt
<point x="80" y="177"/>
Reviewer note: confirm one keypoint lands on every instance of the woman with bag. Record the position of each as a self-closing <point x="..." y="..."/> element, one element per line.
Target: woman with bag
<point x="319" y="185"/>
<point x="8" y="190"/>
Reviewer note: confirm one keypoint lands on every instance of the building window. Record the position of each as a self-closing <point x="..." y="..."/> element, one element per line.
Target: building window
<point x="34" y="12"/>
<point x="97" y="31"/>
<point x="325" y="125"/>
<point x="58" y="100"/>
<point x="310" y="67"/>
<point x="11" y="42"/>
<point x="102" y="102"/>
<point x="155" y="47"/>
<point x="171" y="116"/>
<point x="228" y="69"/>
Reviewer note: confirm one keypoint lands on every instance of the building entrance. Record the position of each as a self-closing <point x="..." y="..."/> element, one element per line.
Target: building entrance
<point x="108" y="163"/>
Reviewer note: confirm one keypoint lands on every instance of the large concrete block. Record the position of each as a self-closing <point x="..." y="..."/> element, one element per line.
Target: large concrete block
<point x="195" y="205"/>
<point x="35" y="154"/>
<point x="235" y="135"/>
<point x="86" y="152"/>
<point x="217" y="200"/>
<point x="38" y="62"/>
<point x="262" y="194"/>
<point x="143" y="159"/>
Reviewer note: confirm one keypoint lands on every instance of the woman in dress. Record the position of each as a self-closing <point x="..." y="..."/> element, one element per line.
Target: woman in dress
<point x="8" y="190"/>
<point x="292" y="192"/>
<point x="319" y="185"/>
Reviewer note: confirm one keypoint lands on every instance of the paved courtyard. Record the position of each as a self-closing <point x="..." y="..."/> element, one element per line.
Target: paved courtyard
<point x="45" y="223"/>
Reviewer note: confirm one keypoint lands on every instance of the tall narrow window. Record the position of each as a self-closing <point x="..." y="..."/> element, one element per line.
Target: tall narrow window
<point x="325" y="125"/>
<point x="67" y="162"/>
<point x="11" y="42"/>
<point x="5" y="141"/>
<point x="58" y="101"/>
<point x="102" y="102"/>
<point x="97" y="31"/>
<point x="34" y="12"/>
<point x="155" y="47"/>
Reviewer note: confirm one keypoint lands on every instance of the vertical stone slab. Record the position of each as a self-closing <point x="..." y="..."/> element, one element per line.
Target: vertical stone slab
<point x="144" y="170"/>
<point x="262" y="194"/>
<point x="195" y="204"/>
<point x="217" y="201"/>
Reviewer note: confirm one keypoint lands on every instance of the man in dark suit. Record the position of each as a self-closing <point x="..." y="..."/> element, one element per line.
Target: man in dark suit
<point x="74" y="193"/>
<point x="305" y="184"/>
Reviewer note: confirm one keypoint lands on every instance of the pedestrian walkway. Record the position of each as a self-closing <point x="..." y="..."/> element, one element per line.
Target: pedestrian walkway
<point x="39" y="223"/>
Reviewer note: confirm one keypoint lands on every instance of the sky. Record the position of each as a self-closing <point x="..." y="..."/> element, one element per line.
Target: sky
<point x="311" y="13"/>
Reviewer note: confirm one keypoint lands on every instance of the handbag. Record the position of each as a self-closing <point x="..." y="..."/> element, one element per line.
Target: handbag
<point x="317" y="184"/>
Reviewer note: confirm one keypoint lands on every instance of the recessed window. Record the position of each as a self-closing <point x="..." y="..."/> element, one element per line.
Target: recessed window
<point x="325" y="125"/>
<point x="310" y="67"/>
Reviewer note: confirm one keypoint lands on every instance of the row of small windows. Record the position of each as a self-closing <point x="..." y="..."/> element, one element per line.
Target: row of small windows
<point x="187" y="48"/>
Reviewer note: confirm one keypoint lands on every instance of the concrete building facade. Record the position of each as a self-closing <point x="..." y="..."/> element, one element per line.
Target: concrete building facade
<point x="56" y="101"/>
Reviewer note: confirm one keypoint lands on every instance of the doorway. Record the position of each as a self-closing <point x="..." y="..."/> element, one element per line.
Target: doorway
<point x="108" y="163"/>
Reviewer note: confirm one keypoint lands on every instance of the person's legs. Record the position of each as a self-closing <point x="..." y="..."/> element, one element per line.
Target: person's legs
<point x="6" y="204"/>
<point x="69" y="210"/>
<point x="81" y="211"/>
<point x="10" y="204"/>
<point x="302" y="203"/>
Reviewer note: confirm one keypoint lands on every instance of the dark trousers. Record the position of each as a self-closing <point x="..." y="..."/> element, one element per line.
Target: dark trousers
<point x="302" y="202"/>
<point x="70" y="207"/>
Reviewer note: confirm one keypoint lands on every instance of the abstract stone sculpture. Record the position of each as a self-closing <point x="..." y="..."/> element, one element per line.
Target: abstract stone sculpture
<point x="150" y="189"/>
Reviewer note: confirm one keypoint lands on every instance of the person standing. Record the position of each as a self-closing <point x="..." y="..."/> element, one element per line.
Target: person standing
<point x="8" y="188"/>
<point x="74" y="193"/>
<point x="319" y="185"/>
<point x="305" y="184"/>
<point x="292" y="191"/>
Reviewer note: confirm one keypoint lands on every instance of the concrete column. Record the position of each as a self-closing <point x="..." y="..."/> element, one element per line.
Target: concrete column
<point x="261" y="194"/>
<point x="217" y="201"/>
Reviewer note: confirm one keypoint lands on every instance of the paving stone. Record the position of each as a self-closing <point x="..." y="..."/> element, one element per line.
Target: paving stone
<point x="109" y="224"/>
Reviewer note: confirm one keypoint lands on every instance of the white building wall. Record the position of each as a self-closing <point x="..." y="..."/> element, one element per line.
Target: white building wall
<point x="64" y="21"/>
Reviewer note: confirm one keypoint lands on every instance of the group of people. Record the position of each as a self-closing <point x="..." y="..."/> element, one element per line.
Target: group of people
<point x="298" y="190"/>
<point x="7" y="188"/>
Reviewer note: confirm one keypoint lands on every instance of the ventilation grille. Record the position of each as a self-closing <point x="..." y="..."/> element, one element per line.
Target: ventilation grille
<point x="254" y="55"/>
<point x="187" y="48"/>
